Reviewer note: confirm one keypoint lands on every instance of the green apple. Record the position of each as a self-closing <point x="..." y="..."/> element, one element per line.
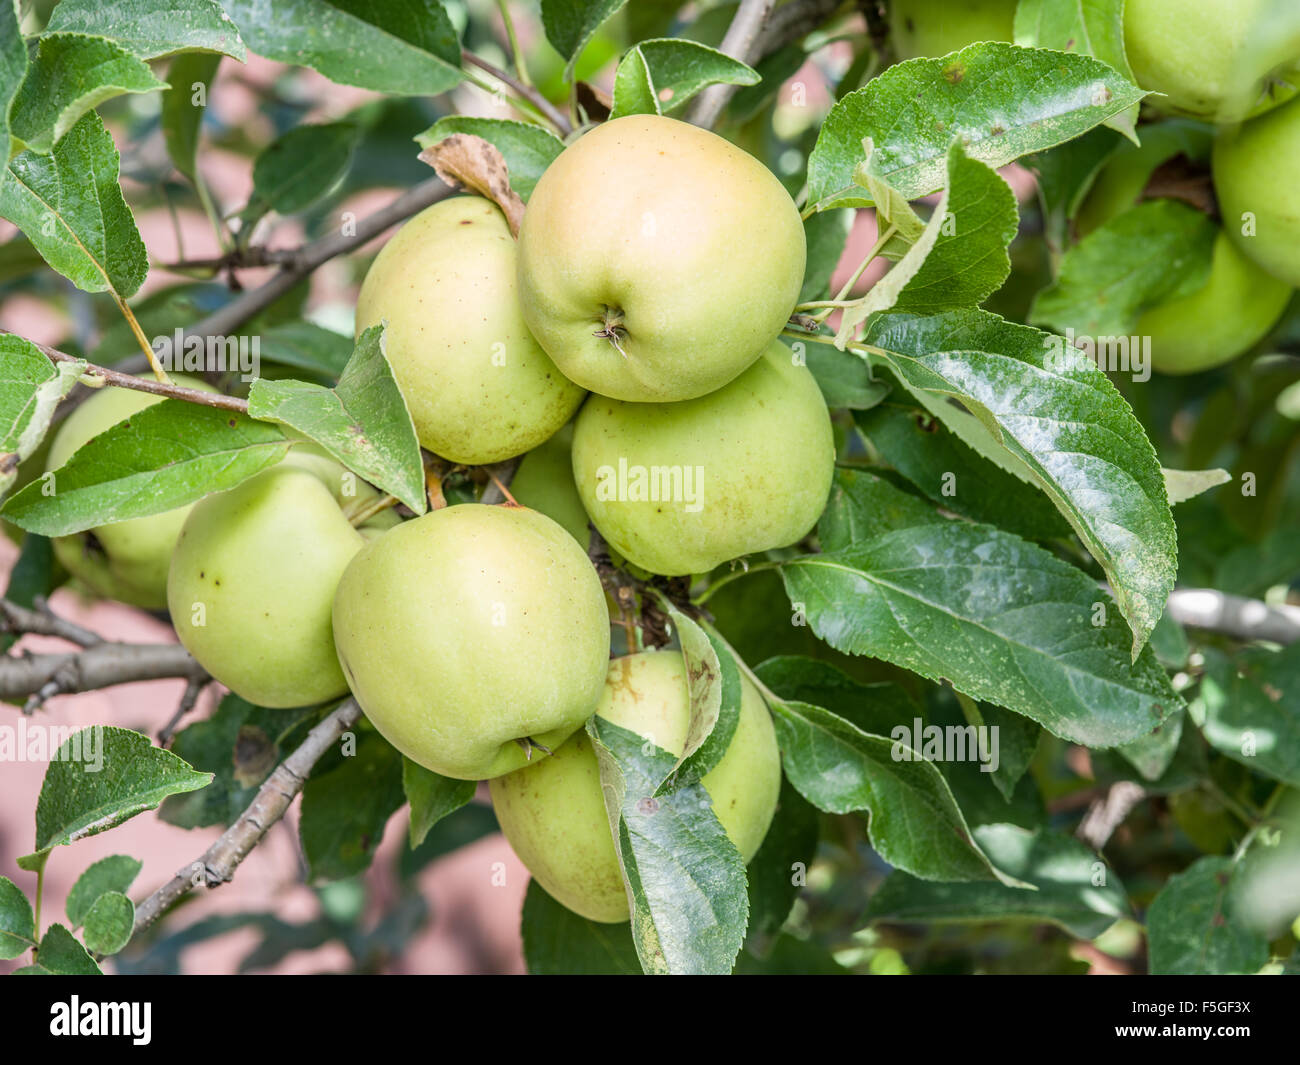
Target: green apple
<point x="475" y="638"/>
<point x="554" y="815"/>
<point x="1254" y="176"/>
<point x="544" y="482"/>
<point x="937" y="27"/>
<point x="1215" y="59"/>
<point x="478" y="386"/>
<point x="252" y="580"/>
<point x="656" y="260"/>
<point x="126" y="560"/>
<point x="1239" y="302"/>
<point x="679" y="488"/>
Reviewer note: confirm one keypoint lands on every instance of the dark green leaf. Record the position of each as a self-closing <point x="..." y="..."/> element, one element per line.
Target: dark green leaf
<point x="663" y="74"/>
<point x="13" y="68"/>
<point x="781" y="865"/>
<point x="825" y="235"/>
<point x="109" y="923"/>
<point x="281" y="179"/>
<point x="30" y="389"/>
<point x="863" y="506"/>
<point x="116" y="873"/>
<point x="432" y="797"/>
<point x="190" y="77"/>
<point x="1249" y="709"/>
<point x="62" y="955"/>
<point x="557" y="942"/>
<point x="151" y="28"/>
<point x="467" y="825"/>
<point x="1193" y="929"/>
<point x="17" y="923"/>
<point x="570" y="24"/>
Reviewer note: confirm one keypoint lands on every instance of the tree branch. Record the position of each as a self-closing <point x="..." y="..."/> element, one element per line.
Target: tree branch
<point x="218" y="863"/>
<point x="740" y="42"/>
<point x="528" y="92"/>
<point x="41" y="677"/>
<point x="42" y="621"/>
<point x="1234" y="615"/>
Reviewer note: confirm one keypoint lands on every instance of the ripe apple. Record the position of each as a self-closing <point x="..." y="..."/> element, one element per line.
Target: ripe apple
<point x="126" y="560"/>
<point x="1254" y="170"/>
<point x="544" y="482"/>
<point x="479" y="387"/>
<point x="679" y="488"/>
<point x="656" y="260"/>
<point x="553" y="813"/>
<point x="475" y="638"/>
<point x="1217" y="59"/>
<point x="937" y="27"/>
<point x="1239" y="302"/>
<point x="253" y="576"/>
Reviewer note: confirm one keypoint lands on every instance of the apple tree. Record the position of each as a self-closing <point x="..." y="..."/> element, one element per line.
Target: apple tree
<point x="822" y="478"/>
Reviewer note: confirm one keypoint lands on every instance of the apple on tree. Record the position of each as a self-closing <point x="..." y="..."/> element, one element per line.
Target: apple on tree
<point x="656" y="260"/>
<point x="475" y="638"/>
<point x="126" y="560"/>
<point x="553" y="813"/>
<point x="544" y="482"/>
<point x="679" y="488"/>
<point x="478" y="386"/>
<point x="252" y="580"/>
<point x="937" y="27"/>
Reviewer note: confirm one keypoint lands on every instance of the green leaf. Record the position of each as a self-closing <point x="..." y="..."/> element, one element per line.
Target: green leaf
<point x="182" y="115"/>
<point x="70" y="206"/>
<point x="102" y="776"/>
<point x="467" y="825"/>
<point x="345" y="809"/>
<point x="363" y="421"/>
<point x="109" y="923"/>
<point x="781" y="865"/>
<point x="34" y="574"/>
<point x="713" y="683"/>
<point x="570" y="24"/>
<point x="863" y="506"/>
<point x="1066" y="173"/>
<point x="914" y="821"/>
<point x="1046" y="413"/>
<point x="168" y="455"/>
<point x="432" y="797"/>
<point x="71" y="75"/>
<point x="61" y="955"/>
<point x="17" y="922"/>
<point x="152" y="28"/>
<point x="825" y="235"/>
<point x="662" y="74"/>
<point x="844" y="377"/>
<point x="1156" y="251"/>
<point x="1077" y="890"/>
<point x="408" y="49"/>
<point x="307" y="346"/>
<point x="954" y="475"/>
<point x="1192" y="927"/>
<point x="689" y="901"/>
<point x="527" y="150"/>
<point x="281" y="179"/>
<point x="1249" y="709"/>
<point x="116" y="873"/>
<point x="31" y="387"/>
<point x="558" y="942"/>
<point x="1001" y="101"/>
<point x="13" y="68"/>
<point x="1000" y="618"/>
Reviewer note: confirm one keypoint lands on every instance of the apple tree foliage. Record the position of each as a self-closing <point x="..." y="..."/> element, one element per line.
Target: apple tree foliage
<point x="1006" y="525"/>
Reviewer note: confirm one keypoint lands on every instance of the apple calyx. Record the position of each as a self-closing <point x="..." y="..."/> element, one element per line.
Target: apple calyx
<point x="612" y="328"/>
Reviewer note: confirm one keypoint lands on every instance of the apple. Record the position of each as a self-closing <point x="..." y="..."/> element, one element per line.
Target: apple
<point x="1254" y="169"/>
<point x="679" y="488"/>
<point x="544" y="482"/>
<point x="126" y="560"/>
<point x="1239" y="302"/>
<point x="937" y="27"/>
<point x="252" y="579"/>
<point x="475" y="638"/>
<point x="553" y="813"/>
<point x="1216" y="59"/>
<point x="656" y="260"/>
<point x="478" y="386"/>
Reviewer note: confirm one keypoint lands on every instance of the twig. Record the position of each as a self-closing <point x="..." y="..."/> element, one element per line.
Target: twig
<point x="42" y="621"/>
<point x="791" y="22"/>
<point x="41" y="677"/>
<point x="193" y="689"/>
<point x="528" y="92"/>
<point x="740" y="43"/>
<point x="1108" y="813"/>
<point x="218" y="863"/>
<point x="1234" y="615"/>
<point x="499" y="478"/>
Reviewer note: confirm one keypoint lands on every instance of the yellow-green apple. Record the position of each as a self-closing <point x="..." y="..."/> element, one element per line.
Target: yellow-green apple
<point x="554" y="815"/>
<point x="475" y="638"/>
<point x="126" y="560"/>
<point x="1214" y="59"/>
<point x="1238" y="303"/>
<point x="1254" y="175"/>
<point x="478" y="386"/>
<point x="544" y="481"/>
<point x="937" y="27"/>
<point x="252" y="580"/>
<point x="679" y="488"/>
<point x="656" y="260"/>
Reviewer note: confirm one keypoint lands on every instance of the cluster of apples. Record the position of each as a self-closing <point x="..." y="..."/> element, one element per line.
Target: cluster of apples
<point x="1227" y="71"/>
<point x="654" y="270"/>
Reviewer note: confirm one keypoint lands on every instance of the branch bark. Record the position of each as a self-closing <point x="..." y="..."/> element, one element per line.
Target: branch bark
<point x="740" y="42"/>
<point x="218" y="863"/>
<point x="1234" y="615"/>
<point x="41" y="677"/>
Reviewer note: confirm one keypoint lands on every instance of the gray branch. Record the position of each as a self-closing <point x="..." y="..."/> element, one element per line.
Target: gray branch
<point x="1234" y="615"/>
<point x="740" y="42"/>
